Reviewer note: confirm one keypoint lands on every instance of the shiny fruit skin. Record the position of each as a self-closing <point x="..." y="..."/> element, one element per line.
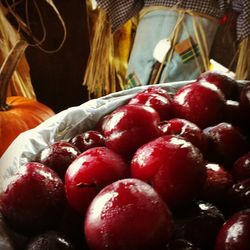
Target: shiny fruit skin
<point x="88" y="139"/>
<point x="186" y="129"/>
<point x="238" y="196"/>
<point x="127" y="214"/>
<point x="130" y="126"/>
<point x="180" y="244"/>
<point x="219" y="181"/>
<point x="226" y="84"/>
<point x="91" y="171"/>
<point x="234" y="234"/>
<point x="201" y="103"/>
<point x="241" y="167"/>
<point x="58" y="156"/>
<point x="226" y="143"/>
<point x="159" y="91"/>
<point x="158" y="102"/>
<point x="199" y="223"/>
<point x="173" y="166"/>
<point x="33" y="198"/>
<point x="50" y="240"/>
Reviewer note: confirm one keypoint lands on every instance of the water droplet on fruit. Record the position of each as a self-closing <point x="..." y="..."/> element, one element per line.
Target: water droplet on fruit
<point x="234" y="232"/>
<point x="204" y="206"/>
<point x="103" y="204"/>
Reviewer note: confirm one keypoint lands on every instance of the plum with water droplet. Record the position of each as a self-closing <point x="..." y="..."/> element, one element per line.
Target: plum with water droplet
<point x="128" y="214"/>
<point x="234" y="234"/>
<point x="33" y="198"/>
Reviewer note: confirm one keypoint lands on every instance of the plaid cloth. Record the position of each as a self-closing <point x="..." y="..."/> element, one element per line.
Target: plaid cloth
<point x="120" y="11"/>
<point x="243" y="20"/>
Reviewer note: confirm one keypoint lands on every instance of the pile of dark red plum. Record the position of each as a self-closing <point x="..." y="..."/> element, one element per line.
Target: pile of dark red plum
<point x="164" y="171"/>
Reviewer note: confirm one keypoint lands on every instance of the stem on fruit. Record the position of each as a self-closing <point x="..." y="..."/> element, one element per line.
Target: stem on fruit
<point x="89" y="185"/>
<point x="86" y="185"/>
<point x="7" y="69"/>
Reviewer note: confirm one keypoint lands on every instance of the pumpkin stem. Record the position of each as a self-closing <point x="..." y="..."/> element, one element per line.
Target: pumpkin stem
<point x="7" y="69"/>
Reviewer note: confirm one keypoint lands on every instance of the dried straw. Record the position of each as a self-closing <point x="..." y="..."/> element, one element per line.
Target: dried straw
<point x="20" y="82"/>
<point x="109" y="53"/>
<point x="243" y="63"/>
<point x="100" y="72"/>
<point x="24" y="25"/>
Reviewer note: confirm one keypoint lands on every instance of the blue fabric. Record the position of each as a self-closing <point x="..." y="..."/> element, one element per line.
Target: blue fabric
<point x="157" y="25"/>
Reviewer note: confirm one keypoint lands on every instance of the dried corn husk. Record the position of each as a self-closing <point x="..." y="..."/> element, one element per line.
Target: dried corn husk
<point x="20" y="83"/>
<point x="109" y="53"/>
<point x="123" y="41"/>
<point x="243" y="63"/>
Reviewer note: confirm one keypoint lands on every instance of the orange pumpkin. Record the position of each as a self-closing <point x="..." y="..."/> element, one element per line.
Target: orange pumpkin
<point x="17" y="113"/>
<point x="23" y="114"/>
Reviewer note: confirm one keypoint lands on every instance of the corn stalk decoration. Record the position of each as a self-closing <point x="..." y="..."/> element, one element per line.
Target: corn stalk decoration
<point x="20" y="83"/>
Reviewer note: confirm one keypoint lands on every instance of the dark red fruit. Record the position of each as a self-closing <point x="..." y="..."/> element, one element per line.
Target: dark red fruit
<point x="233" y="113"/>
<point x="158" y="102"/>
<point x="187" y="130"/>
<point x="226" y="143"/>
<point x="173" y="166"/>
<point x="245" y="103"/>
<point x="33" y="198"/>
<point x="91" y="171"/>
<point x="181" y="244"/>
<point x="58" y="156"/>
<point x="128" y="214"/>
<point x="71" y="225"/>
<point x="129" y="127"/>
<point x="199" y="223"/>
<point x="245" y="107"/>
<point x="158" y="90"/>
<point x="226" y="84"/>
<point x="51" y="240"/>
<point x="238" y="197"/>
<point x="88" y="139"/>
<point x="241" y="167"/>
<point x="234" y="234"/>
<point x="201" y="103"/>
<point x="218" y="181"/>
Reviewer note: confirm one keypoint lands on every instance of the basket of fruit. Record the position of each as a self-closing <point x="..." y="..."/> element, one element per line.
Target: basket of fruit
<point x="154" y="167"/>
